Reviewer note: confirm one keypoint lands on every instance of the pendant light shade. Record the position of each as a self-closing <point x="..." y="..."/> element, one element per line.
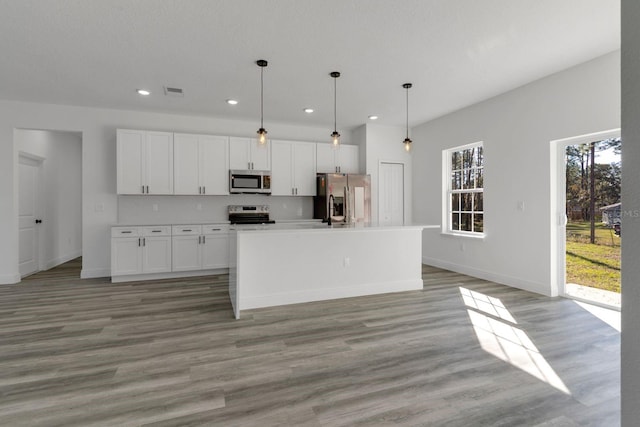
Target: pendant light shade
<point x="262" y="132"/>
<point x="335" y="136"/>
<point x="407" y="141"/>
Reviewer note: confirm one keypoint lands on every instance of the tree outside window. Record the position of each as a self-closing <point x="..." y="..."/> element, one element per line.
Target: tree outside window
<point x="465" y="211"/>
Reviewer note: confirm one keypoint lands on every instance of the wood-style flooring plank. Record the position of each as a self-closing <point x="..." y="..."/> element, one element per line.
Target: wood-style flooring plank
<point x="460" y="352"/>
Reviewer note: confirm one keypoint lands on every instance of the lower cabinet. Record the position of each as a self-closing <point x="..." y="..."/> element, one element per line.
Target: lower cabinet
<point x="140" y="250"/>
<point x="148" y="250"/>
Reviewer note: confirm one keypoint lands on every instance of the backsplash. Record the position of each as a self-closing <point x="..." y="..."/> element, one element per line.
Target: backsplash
<point x="188" y="209"/>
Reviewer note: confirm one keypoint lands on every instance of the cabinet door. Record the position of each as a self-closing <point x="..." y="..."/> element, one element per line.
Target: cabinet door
<point x="348" y="159"/>
<point x="304" y="169"/>
<point x="213" y="165"/>
<point x="325" y="158"/>
<point x="186" y="253"/>
<point x="159" y="162"/>
<point x="239" y="156"/>
<point x="260" y="155"/>
<point x="156" y="254"/>
<point x="215" y="251"/>
<point x="126" y="256"/>
<point x="185" y="164"/>
<point x="281" y="168"/>
<point x="130" y="152"/>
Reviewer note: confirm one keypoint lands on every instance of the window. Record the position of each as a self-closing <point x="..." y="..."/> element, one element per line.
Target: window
<point x="464" y="193"/>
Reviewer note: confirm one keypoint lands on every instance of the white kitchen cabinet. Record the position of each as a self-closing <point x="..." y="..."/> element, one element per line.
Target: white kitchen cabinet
<point x="139" y="250"/>
<point x="247" y="153"/>
<point x="293" y="170"/>
<point x="200" y="164"/>
<point x="200" y="247"/>
<point x="144" y="162"/>
<point x="341" y="160"/>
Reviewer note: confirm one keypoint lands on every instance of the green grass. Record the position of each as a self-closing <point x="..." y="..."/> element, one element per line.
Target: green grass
<point x="594" y="265"/>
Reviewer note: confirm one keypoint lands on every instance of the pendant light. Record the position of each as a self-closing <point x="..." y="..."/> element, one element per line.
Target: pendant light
<point x="407" y="141"/>
<point x="335" y="136"/>
<point x="262" y="132"/>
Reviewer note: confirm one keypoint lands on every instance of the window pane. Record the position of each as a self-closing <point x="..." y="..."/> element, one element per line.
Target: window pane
<point x="465" y="222"/>
<point x="478" y="225"/>
<point x="467" y="159"/>
<point x="479" y="156"/>
<point x="455" y="202"/>
<point x="455" y="222"/>
<point x="456" y="180"/>
<point x="479" y="178"/>
<point x="456" y="160"/>
<point x="465" y="202"/>
<point x="477" y="202"/>
<point x="468" y="176"/>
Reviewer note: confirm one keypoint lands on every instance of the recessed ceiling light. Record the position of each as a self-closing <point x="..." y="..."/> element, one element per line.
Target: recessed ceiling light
<point x="308" y="110"/>
<point x="143" y="92"/>
<point x="374" y="117"/>
<point x="232" y="101"/>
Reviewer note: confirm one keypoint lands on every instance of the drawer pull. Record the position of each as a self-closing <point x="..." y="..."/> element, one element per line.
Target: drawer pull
<point x="125" y="232"/>
<point x="156" y="231"/>
<point x="187" y="230"/>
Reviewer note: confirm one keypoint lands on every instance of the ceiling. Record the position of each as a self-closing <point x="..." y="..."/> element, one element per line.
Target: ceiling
<point x="455" y="52"/>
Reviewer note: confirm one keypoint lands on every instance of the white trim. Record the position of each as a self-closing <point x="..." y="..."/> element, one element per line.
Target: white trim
<point x="557" y="194"/>
<point x="514" y="282"/>
<point x="167" y="275"/>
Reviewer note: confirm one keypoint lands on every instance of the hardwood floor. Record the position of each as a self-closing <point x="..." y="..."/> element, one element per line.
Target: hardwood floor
<point x="461" y="352"/>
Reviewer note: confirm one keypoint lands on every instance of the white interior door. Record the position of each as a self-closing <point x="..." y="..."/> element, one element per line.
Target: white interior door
<point x="391" y="194"/>
<point x="29" y="171"/>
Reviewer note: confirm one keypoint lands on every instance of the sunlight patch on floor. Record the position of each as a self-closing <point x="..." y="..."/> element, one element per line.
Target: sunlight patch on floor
<point x="608" y="316"/>
<point x="497" y="335"/>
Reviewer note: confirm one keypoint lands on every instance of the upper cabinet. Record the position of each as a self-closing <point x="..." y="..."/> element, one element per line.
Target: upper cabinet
<point x="341" y="160"/>
<point x="247" y="153"/>
<point x="293" y="168"/>
<point x="201" y="164"/>
<point x="144" y="162"/>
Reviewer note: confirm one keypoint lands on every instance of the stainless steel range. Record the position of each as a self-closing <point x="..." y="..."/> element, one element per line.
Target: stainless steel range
<point x="249" y="214"/>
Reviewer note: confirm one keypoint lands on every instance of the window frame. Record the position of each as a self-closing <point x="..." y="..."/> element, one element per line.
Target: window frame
<point x="448" y="191"/>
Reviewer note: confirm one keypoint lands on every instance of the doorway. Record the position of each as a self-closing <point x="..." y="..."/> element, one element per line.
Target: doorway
<point x="49" y="200"/>
<point x="585" y="190"/>
<point x="391" y="194"/>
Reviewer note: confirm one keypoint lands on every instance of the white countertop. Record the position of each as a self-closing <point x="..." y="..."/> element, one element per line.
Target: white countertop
<point x="319" y="226"/>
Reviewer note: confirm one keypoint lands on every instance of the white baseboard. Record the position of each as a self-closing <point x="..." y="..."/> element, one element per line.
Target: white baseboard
<point x="514" y="282"/>
<point x="94" y="273"/>
<point x="9" y="279"/>
<point x="328" y="294"/>
<point x="167" y="275"/>
<point x="61" y="260"/>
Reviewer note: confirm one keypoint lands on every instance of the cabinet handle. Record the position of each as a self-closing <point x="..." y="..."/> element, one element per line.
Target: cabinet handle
<point x="156" y="231"/>
<point x="143" y="189"/>
<point x="215" y="229"/>
<point x="204" y="190"/>
<point x="199" y="239"/>
<point x="125" y="232"/>
<point x="144" y="241"/>
<point x="186" y="230"/>
<point x="139" y="241"/>
<point x="204" y="241"/>
<point x="147" y="189"/>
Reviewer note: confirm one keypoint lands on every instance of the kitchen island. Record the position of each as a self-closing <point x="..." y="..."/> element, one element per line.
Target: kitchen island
<point x="288" y="264"/>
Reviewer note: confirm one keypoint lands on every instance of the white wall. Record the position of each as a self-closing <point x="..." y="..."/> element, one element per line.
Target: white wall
<point x="516" y="128"/>
<point x="384" y="144"/>
<point x="61" y="231"/>
<point x="99" y="200"/>
<point x="631" y="213"/>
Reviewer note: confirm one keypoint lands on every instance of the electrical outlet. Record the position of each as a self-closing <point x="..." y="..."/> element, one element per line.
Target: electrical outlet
<point x="520" y="205"/>
<point x="347" y="261"/>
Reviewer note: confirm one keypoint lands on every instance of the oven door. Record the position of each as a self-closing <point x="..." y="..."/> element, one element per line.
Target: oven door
<point x="250" y="182"/>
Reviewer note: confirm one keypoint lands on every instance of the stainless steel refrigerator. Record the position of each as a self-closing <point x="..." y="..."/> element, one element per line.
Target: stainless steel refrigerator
<point x="342" y="198"/>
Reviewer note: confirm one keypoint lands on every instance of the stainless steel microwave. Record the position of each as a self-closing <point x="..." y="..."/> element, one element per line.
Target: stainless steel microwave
<point x="249" y="182"/>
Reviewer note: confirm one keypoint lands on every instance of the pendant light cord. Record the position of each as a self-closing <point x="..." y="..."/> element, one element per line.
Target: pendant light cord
<point x="407" y="113"/>
<point x="335" y="105"/>
<point x="261" y="97"/>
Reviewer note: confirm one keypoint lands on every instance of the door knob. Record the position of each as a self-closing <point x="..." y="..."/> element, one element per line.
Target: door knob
<point x="38" y="221"/>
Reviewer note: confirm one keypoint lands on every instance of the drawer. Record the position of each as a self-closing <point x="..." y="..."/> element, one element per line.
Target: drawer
<point x="156" y="230"/>
<point x="215" y="229"/>
<point x="125" y="232"/>
<point x="186" y="230"/>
